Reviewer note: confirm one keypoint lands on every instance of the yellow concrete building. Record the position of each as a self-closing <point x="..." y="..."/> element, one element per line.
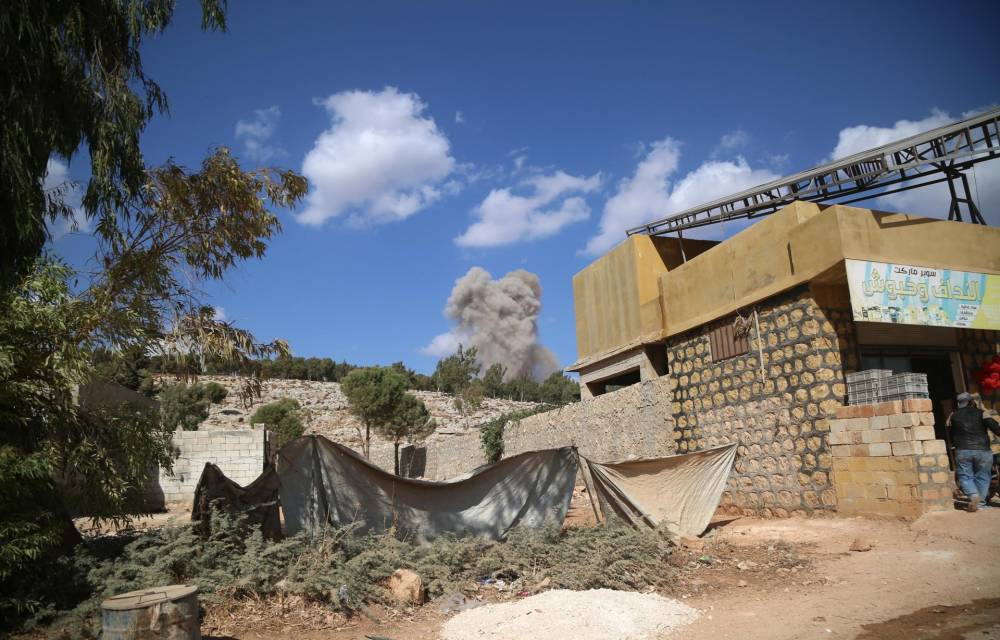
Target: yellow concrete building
<point x="756" y="333"/>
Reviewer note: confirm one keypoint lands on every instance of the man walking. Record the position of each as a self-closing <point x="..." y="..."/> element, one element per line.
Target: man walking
<point x="973" y="456"/>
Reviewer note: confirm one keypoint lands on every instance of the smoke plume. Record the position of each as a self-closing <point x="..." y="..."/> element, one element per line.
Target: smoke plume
<point x="500" y="318"/>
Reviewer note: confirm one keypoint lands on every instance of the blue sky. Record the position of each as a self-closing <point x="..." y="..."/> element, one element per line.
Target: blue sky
<point x="445" y="136"/>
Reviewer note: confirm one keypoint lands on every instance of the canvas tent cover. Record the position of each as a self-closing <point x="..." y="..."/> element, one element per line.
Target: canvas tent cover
<point x="320" y="482"/>
<point x="678" y="492"/>
<point x="258" y="500"/>
<point x="325" y="482"/>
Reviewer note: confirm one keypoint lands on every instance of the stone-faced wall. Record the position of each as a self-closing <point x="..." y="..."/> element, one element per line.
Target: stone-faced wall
<point x="634" y="422"/>
<point x="780" y="419"/>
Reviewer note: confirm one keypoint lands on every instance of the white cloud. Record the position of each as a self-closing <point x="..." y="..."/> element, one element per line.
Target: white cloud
<point x="256" y="133"/>
<point x="731" y="142"/>
<point x="506" y="218"/>
<point x="862" y="137"/>
<point x="220" y="314"/>
<point x="933" y="200"/>
<point x="58" y="185"/>
<point x="459" y="117"/>
<point x="777" y="161"/>
<point x="649" y="194"/>
<point x="381" y="160"/>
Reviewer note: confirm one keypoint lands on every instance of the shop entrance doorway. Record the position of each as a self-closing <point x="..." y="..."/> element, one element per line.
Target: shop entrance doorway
<point x="937" y="365"/>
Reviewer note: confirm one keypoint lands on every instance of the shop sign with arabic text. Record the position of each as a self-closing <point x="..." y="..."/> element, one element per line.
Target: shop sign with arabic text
<point x="906" y="294"/>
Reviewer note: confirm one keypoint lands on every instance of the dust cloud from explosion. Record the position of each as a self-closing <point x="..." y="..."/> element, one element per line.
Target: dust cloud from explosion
<point x="500" y="318"/>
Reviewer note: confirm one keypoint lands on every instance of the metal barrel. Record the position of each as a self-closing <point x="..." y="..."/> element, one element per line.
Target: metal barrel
<point x="158" y="613"/>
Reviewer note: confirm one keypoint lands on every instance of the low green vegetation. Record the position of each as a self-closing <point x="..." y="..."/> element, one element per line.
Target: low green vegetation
<point x="283" y="417"/>
<point x="491" y="433"/>
<point x="229" y="562"/>
<point x="285" y="367"/>
<point x="130" y="368"/>
<point x="459" y="374"/>
<point x="184" y="406"/>
<point x="215" y="392"/>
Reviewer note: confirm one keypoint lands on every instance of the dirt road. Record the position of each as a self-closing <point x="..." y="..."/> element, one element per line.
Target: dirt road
<point x="934" y="579"/>
<point x="944" y="562"/>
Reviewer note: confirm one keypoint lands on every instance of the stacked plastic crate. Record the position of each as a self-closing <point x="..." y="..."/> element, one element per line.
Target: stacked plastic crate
<point x="865" y="387"/>
<point x="905" y="386"/>
<point x="880" y="385"/>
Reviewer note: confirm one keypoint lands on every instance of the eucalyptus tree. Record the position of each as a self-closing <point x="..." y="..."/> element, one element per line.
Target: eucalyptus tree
<point x="143" y="293"/>
<point x="73" y="79"/>
<point x="73" y="85"/>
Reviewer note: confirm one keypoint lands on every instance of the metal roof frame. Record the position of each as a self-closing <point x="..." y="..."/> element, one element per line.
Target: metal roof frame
<point x="938" y="155"/>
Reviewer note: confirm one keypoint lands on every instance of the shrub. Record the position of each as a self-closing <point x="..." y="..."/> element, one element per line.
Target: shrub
<point x="216" y="392"/>
<point x="558" y="389"/>
<point x="283" y="417"/>
<point x="230" y="560"/>
<point x="491" y="433"/>
<point x="184" y="406"/>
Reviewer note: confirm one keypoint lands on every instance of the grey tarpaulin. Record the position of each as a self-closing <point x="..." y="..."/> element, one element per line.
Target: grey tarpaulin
<point x="325" y="482"/>
<point x="678" y="492"/>
<point x="258" y="501"/>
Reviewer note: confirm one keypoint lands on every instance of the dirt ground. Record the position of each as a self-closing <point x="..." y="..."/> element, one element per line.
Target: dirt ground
<point x="934" y="579"/>
<point x="937" y="578"/>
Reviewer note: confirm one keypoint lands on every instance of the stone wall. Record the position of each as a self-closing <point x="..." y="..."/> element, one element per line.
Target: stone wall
<point x="886" y="460"/>
<point x="239" y="453"/>
<point x="445" y="455"/>
<point x="633" y="422"/>
<point x="778" y="417"/>
<point x="449" y="455"/>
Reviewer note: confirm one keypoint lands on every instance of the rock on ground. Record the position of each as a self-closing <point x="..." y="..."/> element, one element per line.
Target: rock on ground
<point x="406" y="586"/>
<point x="598" y="614"/>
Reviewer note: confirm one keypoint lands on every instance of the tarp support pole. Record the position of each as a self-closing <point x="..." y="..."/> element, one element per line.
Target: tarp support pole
<point x="584" y="472"/>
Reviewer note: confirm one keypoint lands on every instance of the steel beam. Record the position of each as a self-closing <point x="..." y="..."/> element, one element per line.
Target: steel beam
<point x="942" y="154"/>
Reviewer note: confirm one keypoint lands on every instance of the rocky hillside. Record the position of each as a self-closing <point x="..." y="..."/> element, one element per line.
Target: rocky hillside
<point x="325" y="408"/>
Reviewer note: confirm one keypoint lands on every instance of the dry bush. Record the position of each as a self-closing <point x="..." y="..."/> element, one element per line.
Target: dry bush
<point x="343" y="570"/>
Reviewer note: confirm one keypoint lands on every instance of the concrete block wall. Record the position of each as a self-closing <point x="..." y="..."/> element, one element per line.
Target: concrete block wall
<point x="240" y="453"/>
<point x="886" y="460"/>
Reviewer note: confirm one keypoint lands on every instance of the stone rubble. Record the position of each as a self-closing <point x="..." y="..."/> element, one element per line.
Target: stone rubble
<point x="326" y="410"/>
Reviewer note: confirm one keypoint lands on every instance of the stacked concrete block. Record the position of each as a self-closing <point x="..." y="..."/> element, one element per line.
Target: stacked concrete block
<point x="887" y="461"/>
<point x="240" y="453"/>
<point x="896" y="428"/>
